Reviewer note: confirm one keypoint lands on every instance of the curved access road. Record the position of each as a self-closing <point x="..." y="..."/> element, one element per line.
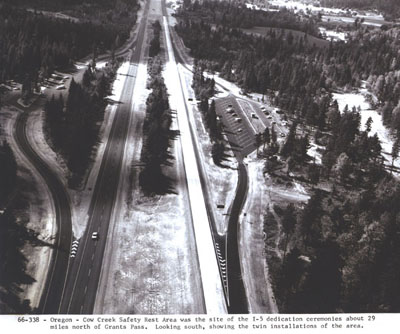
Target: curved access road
<point x="57" y="274"/>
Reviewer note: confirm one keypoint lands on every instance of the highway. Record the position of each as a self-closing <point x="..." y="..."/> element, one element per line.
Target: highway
<point x="213" y="291"/>
<point x="84" y="273"/>
<point x="226" y="248"/>
<point x="57" y="274"/>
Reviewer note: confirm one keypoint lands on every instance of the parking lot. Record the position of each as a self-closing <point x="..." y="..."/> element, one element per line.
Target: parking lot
<point x="244" y="119"/>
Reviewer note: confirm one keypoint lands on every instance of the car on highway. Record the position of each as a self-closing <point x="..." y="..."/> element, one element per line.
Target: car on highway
<point x="253" y="115"/>
<point x="95" y="236"/>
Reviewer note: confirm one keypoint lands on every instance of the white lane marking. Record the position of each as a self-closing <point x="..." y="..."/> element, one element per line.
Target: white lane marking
<point x="245" y="114"/>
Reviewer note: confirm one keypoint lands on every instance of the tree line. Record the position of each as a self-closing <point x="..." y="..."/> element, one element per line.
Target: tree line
<point x="72" y="126"/>
<point x="204" y="89"/>
<point x="157" y="134"/>
<point x="230" y="14"/>
<point x="8" y="172"/>
<point x="155" y="47"/>
<point x="33" y="45"/>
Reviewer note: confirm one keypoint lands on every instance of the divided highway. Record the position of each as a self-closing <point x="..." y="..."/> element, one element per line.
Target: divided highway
<point x="83" y="278"/>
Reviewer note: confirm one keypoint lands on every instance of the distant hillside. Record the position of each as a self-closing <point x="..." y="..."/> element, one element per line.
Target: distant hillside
<point x="390" y="8"/>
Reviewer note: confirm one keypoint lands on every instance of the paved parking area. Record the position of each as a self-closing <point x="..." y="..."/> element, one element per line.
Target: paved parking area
<point x="243" y="119"/>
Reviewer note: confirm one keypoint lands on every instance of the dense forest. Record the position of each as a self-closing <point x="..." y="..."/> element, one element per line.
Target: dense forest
<point x="349" y="228"/>
<point x="231" y="15"/>
<point x="99" y="11"/>
<point x="13" y="263"/>
<point x="390" y="8"/>
<point x="72" y="127"/>
<point x="158" y="136"/>
<point x="8" y="172"/>
<point x="14" y="234"/>
<point x="297" y="69"/>
<point x="340" y="249"/>
<point x="32" y="45"/>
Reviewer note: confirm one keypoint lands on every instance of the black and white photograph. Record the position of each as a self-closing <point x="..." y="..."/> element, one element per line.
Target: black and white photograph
<point x="199" y="157"/>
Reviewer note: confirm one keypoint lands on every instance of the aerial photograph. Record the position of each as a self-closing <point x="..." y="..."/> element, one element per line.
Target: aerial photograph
<point x="165" y="157"/>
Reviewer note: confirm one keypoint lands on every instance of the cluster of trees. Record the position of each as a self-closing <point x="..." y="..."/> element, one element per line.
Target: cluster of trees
<point x="351" y="151"/>
<point x="158" y="136"/>
<point x="343" y="254"/>
<point x="349" y="154"/>
<point x="295" y="147"/>
<point x="229" y="14"/>
<point x="204" y="89"/>
<point x="32" y="45"/>
<point x="8" y="172"/>
<point x="300" y="72"/>
<point x="390" y="8"/>
<point x="13" y="263"/>
<point x="269" y="137"/>
<point x="72" y="128"/>
<point x="338" y="248"/>
<point x="155" y="47"/>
